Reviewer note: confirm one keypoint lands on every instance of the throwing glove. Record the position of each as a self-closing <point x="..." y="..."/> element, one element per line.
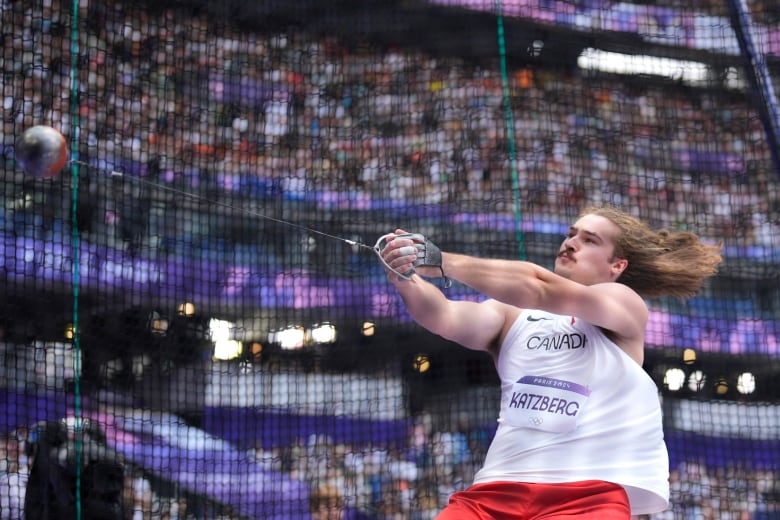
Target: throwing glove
<point x="428" y="253"/>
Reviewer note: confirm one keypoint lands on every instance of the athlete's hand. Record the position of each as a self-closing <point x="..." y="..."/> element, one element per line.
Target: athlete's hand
<point x="408" y="253"/>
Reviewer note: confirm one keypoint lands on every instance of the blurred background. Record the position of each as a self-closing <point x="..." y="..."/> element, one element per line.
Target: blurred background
<point x="188" y="296"/>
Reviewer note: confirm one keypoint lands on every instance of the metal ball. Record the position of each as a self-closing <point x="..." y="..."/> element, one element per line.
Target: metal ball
<point x="41" y="151"/>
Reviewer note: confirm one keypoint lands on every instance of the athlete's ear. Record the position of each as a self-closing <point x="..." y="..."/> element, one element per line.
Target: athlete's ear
<point x="618" y="266"/>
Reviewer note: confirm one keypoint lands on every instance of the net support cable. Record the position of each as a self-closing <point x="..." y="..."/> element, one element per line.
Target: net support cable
<point x="757" y="72"/>
<point x="510" y="131"/>
<point x="76" y="245"/>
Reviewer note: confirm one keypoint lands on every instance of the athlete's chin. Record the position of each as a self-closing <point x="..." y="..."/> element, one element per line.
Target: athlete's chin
<point x="563" y="268"/>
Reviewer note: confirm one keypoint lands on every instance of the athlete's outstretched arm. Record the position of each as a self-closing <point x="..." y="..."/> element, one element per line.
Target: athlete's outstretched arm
<point x="473" y="325"/>
<point x="526" y="285"/>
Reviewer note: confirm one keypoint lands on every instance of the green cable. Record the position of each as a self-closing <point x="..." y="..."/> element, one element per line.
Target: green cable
<point x="510" y="133"/>
<point x="75" y="244"/>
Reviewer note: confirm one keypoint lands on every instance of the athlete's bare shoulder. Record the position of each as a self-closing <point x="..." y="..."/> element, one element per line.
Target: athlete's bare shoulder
<point x="510" y="314"/>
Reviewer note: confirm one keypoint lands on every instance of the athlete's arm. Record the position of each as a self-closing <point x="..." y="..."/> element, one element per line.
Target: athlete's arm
<point x="614" y="307"/>
<point x="476" y="326"/>
<point x="611" y="306"/>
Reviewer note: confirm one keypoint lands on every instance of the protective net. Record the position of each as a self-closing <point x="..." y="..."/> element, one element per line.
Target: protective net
<point x="190" y="305"/>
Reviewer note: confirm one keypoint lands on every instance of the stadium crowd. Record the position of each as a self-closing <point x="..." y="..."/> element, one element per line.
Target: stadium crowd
<point x="198" y="104"/>
<point x="410" y="481"/>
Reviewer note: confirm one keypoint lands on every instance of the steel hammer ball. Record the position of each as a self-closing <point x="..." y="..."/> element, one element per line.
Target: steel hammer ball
<point x="41" y="151"/>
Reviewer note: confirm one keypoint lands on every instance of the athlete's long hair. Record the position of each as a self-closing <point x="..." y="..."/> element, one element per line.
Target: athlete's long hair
<point x="660" y="263"/>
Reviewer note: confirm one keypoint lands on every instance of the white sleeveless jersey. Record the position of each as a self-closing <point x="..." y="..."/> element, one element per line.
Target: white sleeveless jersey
<point x="575" y="407"/>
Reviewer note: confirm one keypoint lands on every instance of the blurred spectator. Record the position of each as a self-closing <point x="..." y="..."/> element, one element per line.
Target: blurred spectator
<point x="14" y="474"/>
<point x="326" y="503"/>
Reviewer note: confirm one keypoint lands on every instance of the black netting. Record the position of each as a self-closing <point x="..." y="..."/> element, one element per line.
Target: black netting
<point x="167" y="297"/>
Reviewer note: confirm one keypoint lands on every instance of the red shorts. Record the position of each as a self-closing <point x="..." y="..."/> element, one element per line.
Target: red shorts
<point x="586" y="500"/>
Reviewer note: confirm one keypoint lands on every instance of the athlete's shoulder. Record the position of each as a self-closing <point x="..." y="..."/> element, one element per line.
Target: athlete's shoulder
<point x="510" y="312"/>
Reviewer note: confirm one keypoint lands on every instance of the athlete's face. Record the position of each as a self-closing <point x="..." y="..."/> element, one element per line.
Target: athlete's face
<point x="587" y="253"/>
